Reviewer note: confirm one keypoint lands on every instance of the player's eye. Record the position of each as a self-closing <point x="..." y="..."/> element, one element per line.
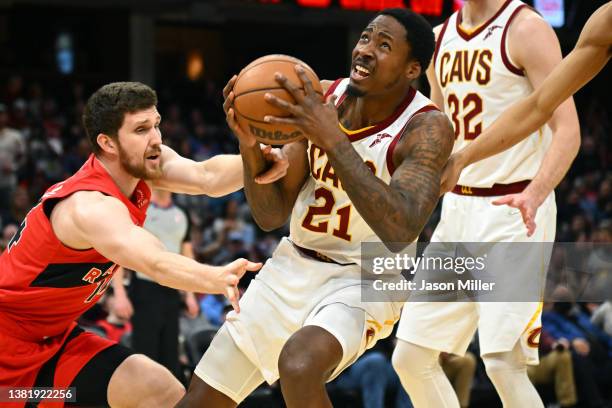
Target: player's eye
<point x="364" y="37"/>
<point x="385" y="45"/>
<point x="141" y="130"/>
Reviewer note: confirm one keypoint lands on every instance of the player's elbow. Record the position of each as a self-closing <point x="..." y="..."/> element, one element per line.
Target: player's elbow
<point x="396" y="247"/>
<point x="269" y="224"/>
<point x="542" y="110"/>
<point x="401" y="235"/>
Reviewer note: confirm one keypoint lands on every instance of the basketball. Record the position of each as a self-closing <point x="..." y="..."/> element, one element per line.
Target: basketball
<point x="257" y="79"/>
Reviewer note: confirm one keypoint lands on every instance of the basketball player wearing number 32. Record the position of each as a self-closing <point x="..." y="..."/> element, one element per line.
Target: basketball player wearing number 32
<point x="591" y="54"/>
<point x="368" y="171"/>
<point x="489" y="54"/>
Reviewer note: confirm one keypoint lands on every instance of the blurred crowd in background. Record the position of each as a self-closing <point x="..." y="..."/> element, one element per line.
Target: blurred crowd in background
<point x="42" y="141"/>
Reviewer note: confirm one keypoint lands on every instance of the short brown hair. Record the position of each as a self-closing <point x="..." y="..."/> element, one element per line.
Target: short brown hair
<point x="106" y="108"/>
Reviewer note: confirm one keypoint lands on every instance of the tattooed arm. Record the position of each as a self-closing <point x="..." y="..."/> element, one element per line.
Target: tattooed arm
<point x="398" y="212"/>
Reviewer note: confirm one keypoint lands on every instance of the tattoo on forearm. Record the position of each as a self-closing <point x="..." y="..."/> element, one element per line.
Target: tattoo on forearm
<point x="398" y="212"/>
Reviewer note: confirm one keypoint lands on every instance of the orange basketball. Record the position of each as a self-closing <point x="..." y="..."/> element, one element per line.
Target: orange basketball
<point x="257" y="79"/>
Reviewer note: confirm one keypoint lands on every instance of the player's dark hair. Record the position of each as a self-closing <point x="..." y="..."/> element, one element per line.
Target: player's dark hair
<point x="419" y="34"/>
<point x="106" y="108"/>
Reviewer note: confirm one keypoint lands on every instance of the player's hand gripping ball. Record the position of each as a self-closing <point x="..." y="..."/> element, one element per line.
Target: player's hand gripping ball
<point x="250" y="107"/>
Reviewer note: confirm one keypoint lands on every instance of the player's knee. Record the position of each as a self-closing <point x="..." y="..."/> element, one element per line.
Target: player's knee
<point x="164" y="389"/>
<point x="141" y="382"/>
<point x="298" y="363"/>
<point x="411" y="360"/>
<point x="295" y="363"/>
<point x="499" y="365"/>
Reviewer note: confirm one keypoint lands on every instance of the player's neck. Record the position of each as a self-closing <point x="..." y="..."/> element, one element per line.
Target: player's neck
<point x="476" y="12"/>
<point x="369" y="110"/>
<point x="126" y="182"/>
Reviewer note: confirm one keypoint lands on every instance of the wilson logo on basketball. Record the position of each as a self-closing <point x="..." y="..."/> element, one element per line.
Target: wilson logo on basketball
<point x="276" y="135"/>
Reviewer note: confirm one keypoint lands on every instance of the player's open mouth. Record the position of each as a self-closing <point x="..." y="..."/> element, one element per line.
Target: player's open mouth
<point x="153" y="157"/>
<point x="359" y="72"/>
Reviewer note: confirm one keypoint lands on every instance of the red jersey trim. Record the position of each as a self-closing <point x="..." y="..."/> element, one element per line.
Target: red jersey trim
<point x="381" y="125"/>
<point x="332" y="87"/>
<point x="504" y="53"/>
<point x="392" y="145"/>
<point x="439" y="42"/>
<point x="468" y="36"/>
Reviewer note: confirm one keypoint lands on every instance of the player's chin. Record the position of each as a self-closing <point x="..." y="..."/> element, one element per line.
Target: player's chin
<point x="152" y="171"/>
<point x="355" y="89"/>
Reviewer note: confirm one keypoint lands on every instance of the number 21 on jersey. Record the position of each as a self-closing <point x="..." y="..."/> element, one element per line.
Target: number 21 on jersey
<point x="343" y="214"/>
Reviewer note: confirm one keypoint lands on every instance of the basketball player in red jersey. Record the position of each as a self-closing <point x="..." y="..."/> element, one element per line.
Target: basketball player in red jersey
<point x="65" y="252"/>
<point x="591" y="54"/>
<point x="368" y="171"/>
<point x="488" y="55"/>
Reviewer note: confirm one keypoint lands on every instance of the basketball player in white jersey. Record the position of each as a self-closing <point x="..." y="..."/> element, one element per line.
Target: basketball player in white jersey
<point x="592" y="52"/>
<point x="369" y="171"/>
<point x="488" y="54"/>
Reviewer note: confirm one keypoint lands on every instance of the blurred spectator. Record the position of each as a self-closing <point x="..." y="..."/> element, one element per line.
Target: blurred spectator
<point x="228" y="236"/>
<point x="113" y="326"/>
<point x="20" y="204"/>
<point x="8" y="232"/>
<point x="12" y="156"/>
<point x="570" y="325"/>
<point x="213" y="308"/>
<point x="602" y="317"/>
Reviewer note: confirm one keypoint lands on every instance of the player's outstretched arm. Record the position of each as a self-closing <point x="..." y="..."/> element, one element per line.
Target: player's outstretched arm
<point x="90" y="219"/>
<point x="215" y="177"/>
<point x="590" y="55"/>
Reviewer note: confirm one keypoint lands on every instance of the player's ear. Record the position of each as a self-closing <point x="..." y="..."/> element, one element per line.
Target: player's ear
<point x="413" y="70"/>
<point x="107" y="143"/>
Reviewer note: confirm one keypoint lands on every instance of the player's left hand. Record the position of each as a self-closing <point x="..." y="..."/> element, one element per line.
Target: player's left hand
<point x="526" y="203"/>
<point x="317" y="119"/>
<point x="280" y="164"/>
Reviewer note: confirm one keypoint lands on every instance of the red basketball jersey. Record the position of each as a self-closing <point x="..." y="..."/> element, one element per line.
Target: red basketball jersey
<point x="44" y="285"/>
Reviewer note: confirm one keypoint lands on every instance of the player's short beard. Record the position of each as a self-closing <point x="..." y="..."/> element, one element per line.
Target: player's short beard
<point x="353" y="91"/>
<point x="136" y="170"/>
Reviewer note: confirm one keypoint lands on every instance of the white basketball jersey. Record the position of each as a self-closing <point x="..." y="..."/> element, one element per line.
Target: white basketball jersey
<point x="479" y="81"/>
<point x="323" y="217"/>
